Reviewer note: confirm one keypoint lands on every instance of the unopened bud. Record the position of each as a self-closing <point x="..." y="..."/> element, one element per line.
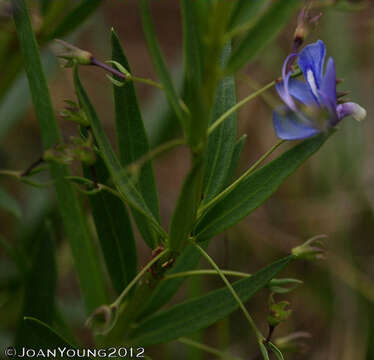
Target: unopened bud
<point x="74" y="114"/>
<point x="278" y="312"/>
<point x="311" y="250"/>
<point x="72" y="54"/>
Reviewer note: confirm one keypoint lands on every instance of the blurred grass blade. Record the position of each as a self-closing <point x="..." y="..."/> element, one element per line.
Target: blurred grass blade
<point x="159" y="62"/>
<point x="114" y="230"/>
<point x="239" y="146"/>
<point x="121" y="178"/>
<point x="40" y="285"/>
<point x="198" y="313"/>
<point x="9" y="204"/>
<point x="188" y="260"/>
<point x="75" y="18"/>
<point x="221" y="143"/>
<point x="245" y="11"/>
<point x="184" y="215"/>
<point x="89" y="272"/>
<point x="248" y="193"/>
<point x="263" y="32"/>
<point x="133" y="142"/>
<point x="44" y="337"/>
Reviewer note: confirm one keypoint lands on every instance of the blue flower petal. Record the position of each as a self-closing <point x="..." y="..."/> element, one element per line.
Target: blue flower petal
<point x="311" y="60"/>
<point x="290" y="125"/>
<point x="328" y="85"/>
<point x="301" y="92"/>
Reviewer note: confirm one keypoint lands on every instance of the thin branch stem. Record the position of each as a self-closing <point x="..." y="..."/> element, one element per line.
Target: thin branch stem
<point x="207" y="349"/>
<point x="236" y="182"/>
<point x="141" y="273"/>
<point x="237" y="106"/>
<point x="207" y="272"/>
<point x="252" y="324"/>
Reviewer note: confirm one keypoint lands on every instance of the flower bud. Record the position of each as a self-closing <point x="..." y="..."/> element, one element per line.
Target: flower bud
<point x="72" y="54"/>
<point x="311" y="249"/>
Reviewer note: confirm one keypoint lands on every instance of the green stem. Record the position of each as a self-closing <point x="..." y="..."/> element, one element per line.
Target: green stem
<point x="237" y="106"/>
<point x="237" y="181"/>
<point x="120" y="298"/>
<point x="206" y="272"/>
<point x="207" y="349"/>
<point x="146" y="81"/>
<point x="252" y="324"/>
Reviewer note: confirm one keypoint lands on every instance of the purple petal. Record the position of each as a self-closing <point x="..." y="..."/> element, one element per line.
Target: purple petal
<point x="311" y="61"/>
<point x="301" y="92"/>
<point x="328" y="85"/>
<point x="282" y="87"/>
<point x="351" y="109"/>
<point x="290" y="125"/>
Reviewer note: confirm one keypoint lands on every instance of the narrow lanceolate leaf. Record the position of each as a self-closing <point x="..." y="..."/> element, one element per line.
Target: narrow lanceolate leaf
<point x="89" y="272"/>
<point x="114" y="230"/>
<point x="159" y="62"/>
<point x="44" y="337"/>
<point x="184" y="216"/>
<point x="188" y="260"/>
<point x="121" y="178"/>
<point x="40" y="285"/>
<point x="239" y="146"/>
<point x="248" y="193"/>
<point x="81" y="11"/>
<point x="265" y="29"/>
<point x="198" y="313"/>
<point x="245" y="11"/>
<point x="9" y="204"/>
<point x="133" y="142"/>
<point x="221" y="143"/>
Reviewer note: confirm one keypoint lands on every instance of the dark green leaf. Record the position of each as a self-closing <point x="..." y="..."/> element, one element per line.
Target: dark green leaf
<point x="159" y="62"/>
<point x="40" y="285"/>
<point x="245" y="11"/>
<point x="221" y="143"/>
<point x="10" y="205"/>
<point x="82" y="10"/>
<point x="89" y="272"/>
<point x="263" y="32"/>
<point x="114" y="230"/>
<point x="252" y="191"/>
<point x="235" y="159"/>
<point x="201" y="312"/>
<point x="44" y="337"/>
<point x="121" y="178"/>
<point x="133" y="142"/>
<point x="184" y="215"/>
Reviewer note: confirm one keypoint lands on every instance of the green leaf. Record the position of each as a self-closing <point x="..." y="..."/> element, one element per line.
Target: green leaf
<point x="250" y="192"/>
<point x="245" y="11"/>
<point x="198" y="313"/>
<point x="239" y="146"/>
<point x="89" y="272"/>
<point x="188" y="260"/>
<point x="44" y="337"/>
<point x="10" y="205"/>
<point x="133" y="142"/>
<point x="114" y="230"/>
<point x="120" y="177"/>
<point x="263" y="32"/>
<point x="159" y="62"/>
<point x="221" y="143"/>
<point x="276" y="351"/>
<point x="40" y="285"/>
<point x="75" y="18"/>
<point x="184" y="215"/>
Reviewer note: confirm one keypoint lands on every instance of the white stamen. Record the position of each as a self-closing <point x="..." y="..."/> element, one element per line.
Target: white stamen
<point x="359" y="113"/>
<point x="312" y="82"/>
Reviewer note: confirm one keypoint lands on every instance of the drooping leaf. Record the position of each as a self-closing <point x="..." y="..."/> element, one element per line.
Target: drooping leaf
<point x="133" y="142"/>
<point x="40" y="285"/>
<point x="121" y="178"/>
<point x="114" y="230"/>
<point x="198" y="313"/>
<point x="159" y="62"/>
<point x="89" y="272"/>
<point x="9" y="204"/>
<point x="221" y="143"/>
<point x="263" y="32"/>
<point x="250" y="192"/>
<point x="184" y="215"/>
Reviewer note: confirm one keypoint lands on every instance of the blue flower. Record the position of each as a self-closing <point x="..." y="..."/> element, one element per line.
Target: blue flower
<point x="311" y="107"/>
